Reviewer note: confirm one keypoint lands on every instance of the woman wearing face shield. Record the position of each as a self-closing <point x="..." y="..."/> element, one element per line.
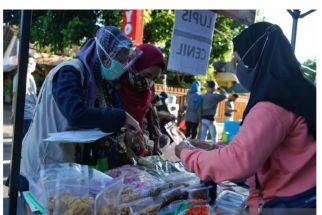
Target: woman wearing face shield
<point x="75" y="95"/>
<point x="275" y="148"/>
<point x="137" y="89"/>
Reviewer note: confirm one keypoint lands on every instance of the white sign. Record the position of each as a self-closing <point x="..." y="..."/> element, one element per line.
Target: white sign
<point x="191" y="41"/>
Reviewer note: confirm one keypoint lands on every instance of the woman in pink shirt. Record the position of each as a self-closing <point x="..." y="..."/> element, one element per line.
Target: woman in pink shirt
<point x="275" y="148"/>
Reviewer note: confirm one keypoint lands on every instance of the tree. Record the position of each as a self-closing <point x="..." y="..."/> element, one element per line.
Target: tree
<point x="55" y="30"/>
<point x="309" y="69"/>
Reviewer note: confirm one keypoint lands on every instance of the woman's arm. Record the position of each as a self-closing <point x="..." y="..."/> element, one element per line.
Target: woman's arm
<point x="70" y="99"/>
<point x="264" y="128"/>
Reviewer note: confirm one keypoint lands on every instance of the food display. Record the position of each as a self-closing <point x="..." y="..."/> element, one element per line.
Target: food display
<point x="154" y="186"/>
<point x="134" y="177"/>
<point x="69" y="205"/>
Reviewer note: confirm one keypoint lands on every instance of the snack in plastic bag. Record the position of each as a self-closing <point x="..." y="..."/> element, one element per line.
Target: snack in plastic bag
<point x="134" y="177"/>
<point x="198" y="210"/>
<point x="107" y="201"/>
<point x="183" y="207"/>
<point x="66" y="186"/>
<point x="145" y="206"/>
<point x="173" y="194"/>
<point x="161" y="165"/>
<point x="168" y="152"/>
<point x="181" y="178"/>
<point x="69" y="205"/>
<point x="200" y="193"/>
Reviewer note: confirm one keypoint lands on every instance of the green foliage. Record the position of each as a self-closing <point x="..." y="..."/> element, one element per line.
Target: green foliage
<point x="56" y="30"/>
<point x="110" y="17"/>
<point x="158" y="26"/>
<point x="225" y="30"/>
<point x="309" y="69"/>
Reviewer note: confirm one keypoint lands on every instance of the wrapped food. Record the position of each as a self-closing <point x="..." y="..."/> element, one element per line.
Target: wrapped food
<point x="69" y="205"/>
<point x="134" y="177"/>
<point x="198" y="210"/>
<point x="144" y="206"/>
<point x="174" y="194"/>
<point x="107" y="201"/>
<point x="181" y="178"/>
<point x="227" y="185"/>
<point x="150" y="210"/>
<point x="183" y="207"/>
<point x="151" y="191"/>
<point x="200" y="193"/>
<point x="230" y="202"/>
<point x="160" y="165"/>
<point x="67" y="187"/>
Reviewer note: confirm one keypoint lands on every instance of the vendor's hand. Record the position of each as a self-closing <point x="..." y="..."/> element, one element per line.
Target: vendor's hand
<point x="134" y="140"/>
<point x="156" y="148"/>
<point x="131" y="123"/>
<point x="172" y="117"/>
<point x="181" y="146"/>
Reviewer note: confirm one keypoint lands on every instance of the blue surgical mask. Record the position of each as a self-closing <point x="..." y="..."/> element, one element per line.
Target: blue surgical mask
<point x="245" y="74"/>
<point x="114" y="72"/>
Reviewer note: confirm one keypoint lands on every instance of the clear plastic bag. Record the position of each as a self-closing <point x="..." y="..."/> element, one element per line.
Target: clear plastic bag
<point x="168" y="152"/>
<point x="128" y="195"/>
<point x="198" y="193"/>
<point x="54" y="180"/>
<point x="71" y="190"/>
<point x="134" y="178"/>
<point x="230" y="202"/>
<point x="107" y="201"/>
<point x="182" y="178"/>
<point x="98" y="181"/>
<point x="183" y="207"/>
<point x="173" y="194"/>
<point x="161" y="165"/>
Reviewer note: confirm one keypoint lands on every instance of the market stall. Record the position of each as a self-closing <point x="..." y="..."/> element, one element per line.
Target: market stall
<point x="156" y="184"/>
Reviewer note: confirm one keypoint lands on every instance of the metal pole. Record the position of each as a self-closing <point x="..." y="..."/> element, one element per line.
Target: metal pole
<point x="19" y="111"/>
<point x="295" y="15"/>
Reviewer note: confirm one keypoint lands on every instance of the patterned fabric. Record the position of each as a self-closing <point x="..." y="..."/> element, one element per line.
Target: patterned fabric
<point x="112" y="146"/>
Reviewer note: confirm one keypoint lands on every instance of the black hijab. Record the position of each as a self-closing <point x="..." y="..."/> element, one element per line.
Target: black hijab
<point x="278" y="76"/>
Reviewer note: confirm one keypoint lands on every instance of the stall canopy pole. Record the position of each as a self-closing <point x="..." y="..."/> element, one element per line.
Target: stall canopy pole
<point x="296" y="14"/>
<point x="19" y="111"/>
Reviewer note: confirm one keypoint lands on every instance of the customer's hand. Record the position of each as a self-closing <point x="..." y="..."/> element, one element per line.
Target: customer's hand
<point x="181" y="146"/>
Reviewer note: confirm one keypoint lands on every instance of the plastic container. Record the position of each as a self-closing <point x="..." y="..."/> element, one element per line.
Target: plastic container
<point x="199" y="193"/>
<point x="174" y="194"/>
<point x="230" y="202"/>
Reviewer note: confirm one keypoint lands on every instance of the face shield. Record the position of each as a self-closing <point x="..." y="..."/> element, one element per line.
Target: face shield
<point x="116" y="58"/>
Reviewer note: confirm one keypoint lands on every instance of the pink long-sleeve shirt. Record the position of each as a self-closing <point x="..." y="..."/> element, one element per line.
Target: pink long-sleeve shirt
<point x="272" y="142"/>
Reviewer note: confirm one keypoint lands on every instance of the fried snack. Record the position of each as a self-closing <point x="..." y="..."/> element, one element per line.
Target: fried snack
<point x="126" y="198"/>
<point x="107" y="210"/>
<point x="126" y="190"/>
<point x="80" y="207"/>
<point x="69" y="205"/>
<point x="125" y="211"/>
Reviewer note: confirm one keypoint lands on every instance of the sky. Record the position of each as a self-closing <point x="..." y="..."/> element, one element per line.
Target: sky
<point x="307" y="31"/>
